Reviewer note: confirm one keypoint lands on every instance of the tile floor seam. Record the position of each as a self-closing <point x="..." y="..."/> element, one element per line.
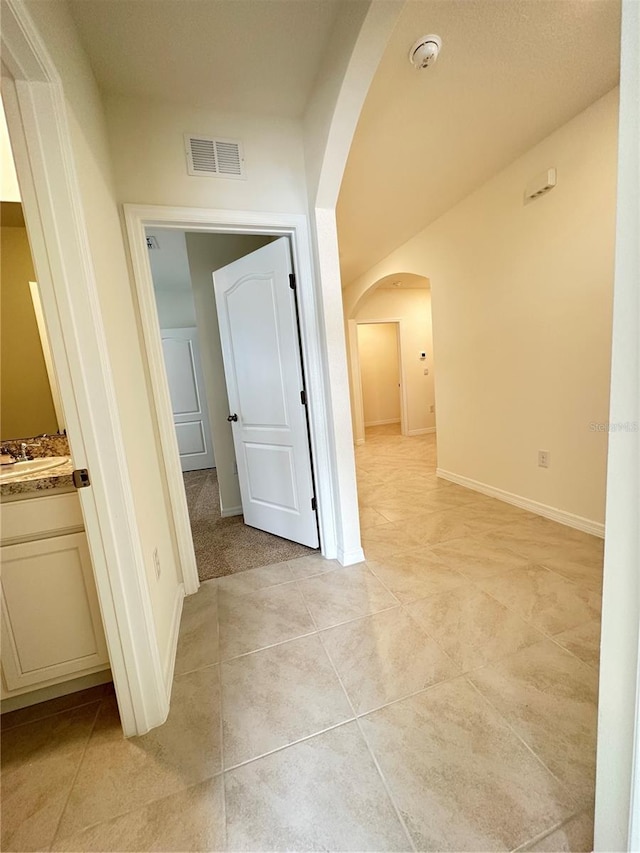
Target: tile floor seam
<point x="75" y="775"/>
<point x="221" y="726"/>
<point x="284" y="746"/>
<point x="235" y="575"/>
<point x="46" y="716"/>
<point x="90" y="826"/>
<point x="354" y="618"/>
<point x="355" y="718"/>
<point x="196" y="669"/>
<point x="464" y="671"/>
<point x="547" y="832"/>
<point x="463" y="579"/>
<point x="382" y="583"/>
<point x="511" y="728"/>
<point x="544" y="634"/>
<point x="376" y="763"/>
<point x="270" y="646"/>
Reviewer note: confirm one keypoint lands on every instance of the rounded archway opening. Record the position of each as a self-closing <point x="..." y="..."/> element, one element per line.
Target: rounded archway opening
<point x="395" y="307"/>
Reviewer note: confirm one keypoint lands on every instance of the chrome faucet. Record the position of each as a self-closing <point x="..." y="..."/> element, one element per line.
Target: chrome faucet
<point x="24" y="456"/>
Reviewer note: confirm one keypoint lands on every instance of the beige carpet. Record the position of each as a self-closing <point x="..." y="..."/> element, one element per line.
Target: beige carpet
<point x="227" y="545"/>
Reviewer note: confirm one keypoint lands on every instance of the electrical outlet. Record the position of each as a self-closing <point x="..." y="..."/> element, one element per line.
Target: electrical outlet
<point x="544" y="459"/>
<point x="426" y="371"/>
<point x="432" y="408"/>
<point x="156" y="563"/>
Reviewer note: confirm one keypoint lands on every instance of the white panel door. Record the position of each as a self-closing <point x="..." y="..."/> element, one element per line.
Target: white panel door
<point x="188" y="401"/>
<point x="261" y="353"/>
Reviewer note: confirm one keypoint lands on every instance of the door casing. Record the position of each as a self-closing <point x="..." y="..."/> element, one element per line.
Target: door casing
<point x="356" y="378"/>
<point x="296" y="228"/>
<point x="45" y="162"/>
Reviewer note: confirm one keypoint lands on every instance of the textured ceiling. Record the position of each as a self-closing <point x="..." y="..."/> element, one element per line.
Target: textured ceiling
<point x="509" y="73"/>
<point x="259" y="56"/>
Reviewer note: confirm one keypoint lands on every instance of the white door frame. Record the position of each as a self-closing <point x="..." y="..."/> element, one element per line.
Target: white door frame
<point x="296" y="228"/>
<point x="45" y="164"/>
<point x="356" y="377"/>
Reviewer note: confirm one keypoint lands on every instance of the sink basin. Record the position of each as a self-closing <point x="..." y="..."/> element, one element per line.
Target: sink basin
<point x="31" y="466"/>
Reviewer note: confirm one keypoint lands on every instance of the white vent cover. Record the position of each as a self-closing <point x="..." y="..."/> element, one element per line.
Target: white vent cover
<point x="214" y="157"/>
<point x="540" y="185"/>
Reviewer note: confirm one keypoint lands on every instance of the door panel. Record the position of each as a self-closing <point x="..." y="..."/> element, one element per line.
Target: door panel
<point x="191" y="439"/>
<point x="186" y="387"/>
<point x="51" y="624"/>
<point x="263" y="370"/>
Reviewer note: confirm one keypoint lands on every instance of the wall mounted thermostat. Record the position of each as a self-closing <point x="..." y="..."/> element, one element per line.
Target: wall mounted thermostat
<point x="423" y="355"/>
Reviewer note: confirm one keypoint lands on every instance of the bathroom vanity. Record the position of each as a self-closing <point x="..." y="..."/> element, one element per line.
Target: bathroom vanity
<point x="52" y="636"/>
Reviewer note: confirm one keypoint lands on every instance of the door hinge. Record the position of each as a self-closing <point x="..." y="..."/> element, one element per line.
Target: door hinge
<point x="313" y="504"/>
<point x="292" y="280"/>
<point x="81" y="478"/>
<point x="303" y="397"/>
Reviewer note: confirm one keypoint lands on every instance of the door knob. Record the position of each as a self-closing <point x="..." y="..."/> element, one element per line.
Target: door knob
<point x="232" y="418"/>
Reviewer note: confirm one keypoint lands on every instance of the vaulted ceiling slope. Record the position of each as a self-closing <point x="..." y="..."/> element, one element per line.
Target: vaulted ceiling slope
<point x="509" y="73"/>
<point x="247" y="56"/>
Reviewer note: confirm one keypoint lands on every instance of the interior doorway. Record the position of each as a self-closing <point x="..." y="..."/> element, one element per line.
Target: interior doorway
<point x="380" y="374"/>
<point x="220" y="353"/>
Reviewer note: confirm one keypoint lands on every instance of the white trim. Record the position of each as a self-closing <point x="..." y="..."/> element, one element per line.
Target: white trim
<point x="46" y="352"/>
<point x="349" y="558"/>
<point x="152" y="333"/>
<point x="422" y="431"/>
<point x="233" y="510"/>
<point x="382" y="423"/>
<point x="172" y="645"/>
<point x="296" y="228"/>
<point x="53" y="205"/>
<point x="617" y="802"/>
<point x="560" y="515"/>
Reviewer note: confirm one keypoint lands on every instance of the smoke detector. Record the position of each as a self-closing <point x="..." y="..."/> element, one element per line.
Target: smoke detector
<point x="425" y="51"/>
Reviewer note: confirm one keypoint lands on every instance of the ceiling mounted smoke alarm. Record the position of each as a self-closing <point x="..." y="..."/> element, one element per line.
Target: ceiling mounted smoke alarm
<point x="425" y="51"/>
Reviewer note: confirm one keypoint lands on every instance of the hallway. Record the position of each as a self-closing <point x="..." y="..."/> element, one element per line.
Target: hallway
<point x="441" y="696"/>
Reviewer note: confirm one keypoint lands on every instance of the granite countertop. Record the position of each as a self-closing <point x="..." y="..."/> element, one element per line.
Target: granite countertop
<point x="38" y="482"/>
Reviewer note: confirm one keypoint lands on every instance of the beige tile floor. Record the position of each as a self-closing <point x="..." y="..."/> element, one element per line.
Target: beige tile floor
<point x="441" y="696"/>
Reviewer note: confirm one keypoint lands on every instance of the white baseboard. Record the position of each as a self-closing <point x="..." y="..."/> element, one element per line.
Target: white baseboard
<point x="578" y="522"/>
<point x="233" y="510"/>
<point x="349" y="558"/>
<point x="170" y="659"/>
<point x="422" y="431"/>
<point x="382" y="423"/>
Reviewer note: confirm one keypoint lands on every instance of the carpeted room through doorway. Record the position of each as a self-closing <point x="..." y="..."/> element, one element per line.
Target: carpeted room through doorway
<point x="227" y="545"/>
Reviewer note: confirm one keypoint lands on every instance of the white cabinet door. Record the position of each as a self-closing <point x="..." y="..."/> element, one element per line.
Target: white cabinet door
<point x="263" y="371"/>
<point x="186" y="387"/>
<point x="51" y="623"/>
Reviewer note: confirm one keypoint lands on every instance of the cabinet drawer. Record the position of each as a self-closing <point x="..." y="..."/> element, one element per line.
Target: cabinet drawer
<point x="51" y="623"/>
<point x="38" y="518"/>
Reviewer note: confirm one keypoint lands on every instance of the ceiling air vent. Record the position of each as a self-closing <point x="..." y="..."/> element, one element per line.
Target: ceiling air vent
<point x="213" y="157"/>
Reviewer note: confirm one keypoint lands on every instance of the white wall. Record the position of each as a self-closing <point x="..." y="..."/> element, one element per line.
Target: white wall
<point x="172" y="279"/>
<point x="522" y="319"/>
<point x="360" y="33"/>
<point x="206" y="253"/>
<point x="150" y="166"/>
<point x="92" y="160"/>
<point x="412" y="306"/>
<point x="379" y="373"/>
